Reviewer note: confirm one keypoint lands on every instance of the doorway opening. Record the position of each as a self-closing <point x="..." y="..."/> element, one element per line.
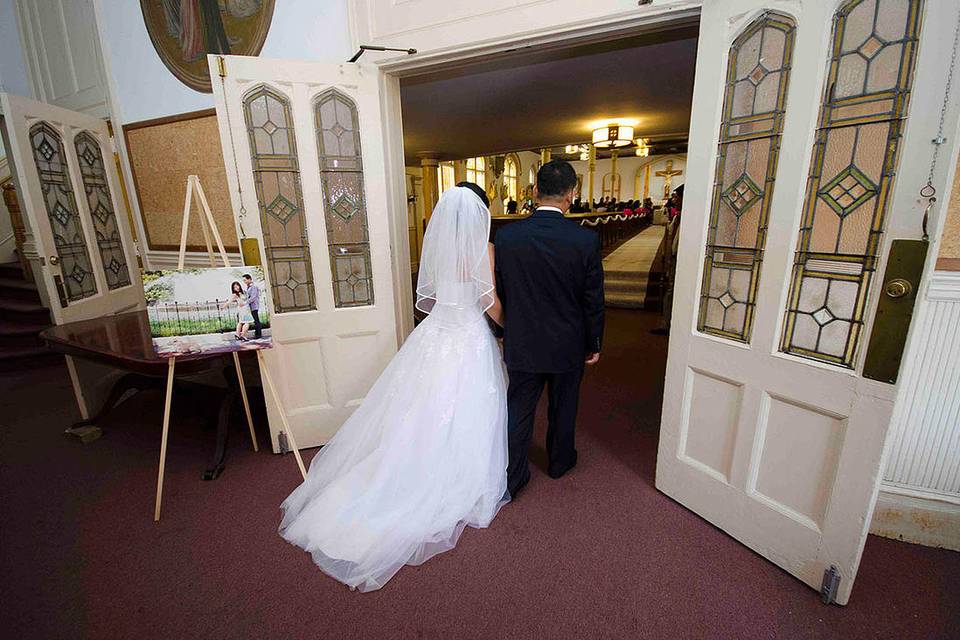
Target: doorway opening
<point x="503" y="118"/>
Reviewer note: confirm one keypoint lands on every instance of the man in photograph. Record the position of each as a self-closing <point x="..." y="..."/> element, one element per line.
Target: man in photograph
<point x="253" y="300"/>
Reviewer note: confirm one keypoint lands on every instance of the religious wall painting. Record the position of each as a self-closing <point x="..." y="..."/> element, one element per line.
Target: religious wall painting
<point x="758" y="74"/>
<point x="184" y="31"/>
<point x="855" y="157"/>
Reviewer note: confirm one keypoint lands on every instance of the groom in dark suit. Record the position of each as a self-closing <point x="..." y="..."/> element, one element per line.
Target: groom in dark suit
<point x="550" y="282"/>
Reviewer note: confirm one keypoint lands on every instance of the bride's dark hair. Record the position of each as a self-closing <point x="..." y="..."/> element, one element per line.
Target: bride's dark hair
<point x="235" y="287"/>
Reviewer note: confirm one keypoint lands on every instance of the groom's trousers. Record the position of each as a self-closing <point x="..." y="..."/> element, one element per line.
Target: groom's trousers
<point x="563" y="394"/>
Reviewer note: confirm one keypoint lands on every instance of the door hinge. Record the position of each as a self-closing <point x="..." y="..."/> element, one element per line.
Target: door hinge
<point x="830" y="585"/>
<point x="221" y="67"/>
<point x="282" y="441"/>
<point x="61" y="291"/>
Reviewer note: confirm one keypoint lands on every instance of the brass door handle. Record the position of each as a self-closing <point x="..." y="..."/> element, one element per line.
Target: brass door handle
<point x="898" y="288"/>
<point x="54" y="260"/>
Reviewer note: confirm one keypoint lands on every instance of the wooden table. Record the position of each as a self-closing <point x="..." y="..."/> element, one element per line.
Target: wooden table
<point x="123" y="341"/>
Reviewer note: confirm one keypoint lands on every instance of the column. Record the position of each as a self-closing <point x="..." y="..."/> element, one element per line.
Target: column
<point x="544" y="156"/>
<point x="430" y="188"/>
<point x="591" y="169"/>
<point x="613" y="174"/>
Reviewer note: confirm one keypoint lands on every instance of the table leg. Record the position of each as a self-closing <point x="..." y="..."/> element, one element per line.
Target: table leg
<point x="163" y="438"/>
<point x="128" y="382"/>
<point x="223" y="434"/>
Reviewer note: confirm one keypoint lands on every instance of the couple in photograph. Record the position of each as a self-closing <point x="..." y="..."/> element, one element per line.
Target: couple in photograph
<point x="248" y="307"/>
<point x="441" y="440"/>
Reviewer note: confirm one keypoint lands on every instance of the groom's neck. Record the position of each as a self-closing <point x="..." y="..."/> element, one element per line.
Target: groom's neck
<point x="551" y="202"/>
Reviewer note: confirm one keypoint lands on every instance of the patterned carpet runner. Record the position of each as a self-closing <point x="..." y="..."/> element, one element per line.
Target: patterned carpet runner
<point x="632" y="271"/>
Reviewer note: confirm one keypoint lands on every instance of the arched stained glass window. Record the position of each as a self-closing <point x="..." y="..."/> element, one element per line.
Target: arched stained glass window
<point x="854" y="160"/>
<point x="758" y="74"/>
<point x="511" y="179"/>
<point x="61" y="205"/>
<point x="341" y="177"/>
<point x="276" y="172"/>
<point x="610" y="185"/>
<point x="100" y="203"/>
<point x="477" y="171"/>
<point x="445" y="176"/>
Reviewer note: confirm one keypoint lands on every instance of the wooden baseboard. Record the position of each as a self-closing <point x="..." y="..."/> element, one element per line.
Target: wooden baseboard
<point x="925" y="520"/>
<point x="160" y="260"/>
<point x="948" y="264"/>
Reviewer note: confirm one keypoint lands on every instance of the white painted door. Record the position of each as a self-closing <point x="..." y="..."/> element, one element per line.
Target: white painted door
<point x="61" y="49"/>
<point x="770" y="431"/>
<point x="70" y="195"/>
<point x="309" y="183"/>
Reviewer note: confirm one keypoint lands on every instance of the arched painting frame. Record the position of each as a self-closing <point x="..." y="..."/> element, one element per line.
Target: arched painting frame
<point x="184" y="31"/>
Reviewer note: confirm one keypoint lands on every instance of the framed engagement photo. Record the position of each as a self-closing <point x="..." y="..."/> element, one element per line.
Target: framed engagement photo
<point x="208" y="310"/>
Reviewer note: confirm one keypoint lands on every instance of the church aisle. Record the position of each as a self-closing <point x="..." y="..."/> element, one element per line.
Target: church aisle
<point x="599" y="553"/>
<point x="628" y="268"/>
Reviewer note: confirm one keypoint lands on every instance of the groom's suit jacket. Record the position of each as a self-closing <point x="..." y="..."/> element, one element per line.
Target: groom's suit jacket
<point x="550" y="282"/>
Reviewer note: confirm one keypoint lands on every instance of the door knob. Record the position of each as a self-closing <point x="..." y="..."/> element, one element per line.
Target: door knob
<point x="898" y="288"/>
<point x="54" y="260"/>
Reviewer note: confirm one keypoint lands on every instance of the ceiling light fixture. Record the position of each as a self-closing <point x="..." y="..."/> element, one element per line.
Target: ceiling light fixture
<point x="612" y="136"/>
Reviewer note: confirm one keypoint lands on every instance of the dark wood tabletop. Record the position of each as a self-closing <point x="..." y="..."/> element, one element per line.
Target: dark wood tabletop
<point x="123" y="341"/>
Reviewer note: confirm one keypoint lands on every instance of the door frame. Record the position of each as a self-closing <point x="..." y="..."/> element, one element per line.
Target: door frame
<point x="614" y="27"/>
<point x="650" y="18"/>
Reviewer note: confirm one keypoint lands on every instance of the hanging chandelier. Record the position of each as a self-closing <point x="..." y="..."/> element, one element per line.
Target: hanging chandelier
<point x="612" y="136"/>
<point x="643" y="147"/>
<point x="582" y="149"/>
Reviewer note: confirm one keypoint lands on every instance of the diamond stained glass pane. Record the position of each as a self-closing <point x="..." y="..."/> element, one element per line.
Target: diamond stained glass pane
<point x="283" y="225"/>
<point x="61" y="205"/>
<point x="100" y="204"/>
<point x="855" y="158"/>
<point x="758" y="74"/>
<point x="341" y="178"/>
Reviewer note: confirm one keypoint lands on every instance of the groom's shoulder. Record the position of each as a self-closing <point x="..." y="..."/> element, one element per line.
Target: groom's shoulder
<point x="584" y="234"/>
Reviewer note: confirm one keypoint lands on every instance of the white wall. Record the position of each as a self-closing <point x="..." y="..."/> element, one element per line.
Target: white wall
<point x="146" y="89"/>
<point x="13" y="73"/>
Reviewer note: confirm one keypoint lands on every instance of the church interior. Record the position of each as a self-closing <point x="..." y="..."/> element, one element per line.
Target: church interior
<point x="502" y="147"/>
<point x="266" y="149"/>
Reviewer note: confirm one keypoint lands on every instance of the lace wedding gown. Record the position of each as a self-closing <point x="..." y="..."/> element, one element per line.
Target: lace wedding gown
<point x="425" y="454"/>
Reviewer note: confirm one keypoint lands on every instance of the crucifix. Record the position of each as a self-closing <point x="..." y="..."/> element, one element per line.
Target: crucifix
<point x="667" y="176"/>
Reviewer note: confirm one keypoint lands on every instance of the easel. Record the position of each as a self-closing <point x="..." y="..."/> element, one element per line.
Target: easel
<point x="209" y="228"/>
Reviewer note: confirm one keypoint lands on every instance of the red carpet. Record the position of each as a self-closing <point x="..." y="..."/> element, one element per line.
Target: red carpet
<point x="597" y="554"/>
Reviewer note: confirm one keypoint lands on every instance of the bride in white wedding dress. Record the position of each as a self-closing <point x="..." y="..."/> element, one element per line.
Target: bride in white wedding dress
<point x="425" y="454"/>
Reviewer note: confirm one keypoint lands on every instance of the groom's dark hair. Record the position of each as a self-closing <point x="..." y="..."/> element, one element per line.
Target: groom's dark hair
<point x="556" y="178"/>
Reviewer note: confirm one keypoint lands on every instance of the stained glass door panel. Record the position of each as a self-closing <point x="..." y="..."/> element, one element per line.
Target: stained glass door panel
<point x="96" y="186"/>
<point x="68" y="187"/>
<point x="855" y="159"/>
<point x="758" y="75"/>
<point x="60" y="201"/>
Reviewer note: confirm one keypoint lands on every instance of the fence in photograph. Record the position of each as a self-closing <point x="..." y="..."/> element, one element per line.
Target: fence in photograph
<point x="188" y="319"/>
